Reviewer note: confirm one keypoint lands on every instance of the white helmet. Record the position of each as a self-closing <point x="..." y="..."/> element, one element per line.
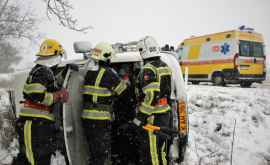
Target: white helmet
<point x="148" y="47"/>
<point x="102" y="52"/>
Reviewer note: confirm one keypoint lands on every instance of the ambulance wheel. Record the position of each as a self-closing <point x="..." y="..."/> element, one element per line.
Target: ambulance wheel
<point x="195" y="82"/>
<point x="245" y="84"/>
<point x="218" y="80"/>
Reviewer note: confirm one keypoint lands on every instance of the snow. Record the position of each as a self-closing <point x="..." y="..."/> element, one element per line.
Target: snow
<point x="5" y="79"/>
<point x="212" y="112"/>
<point x="4" y="76"/>
<point x="8" y="143"/>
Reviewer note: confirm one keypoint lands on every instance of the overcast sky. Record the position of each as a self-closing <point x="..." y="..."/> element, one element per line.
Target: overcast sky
<point x="169" y="21"/>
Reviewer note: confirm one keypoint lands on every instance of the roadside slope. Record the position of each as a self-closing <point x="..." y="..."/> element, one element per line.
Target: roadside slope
<point x="213" y="111"/>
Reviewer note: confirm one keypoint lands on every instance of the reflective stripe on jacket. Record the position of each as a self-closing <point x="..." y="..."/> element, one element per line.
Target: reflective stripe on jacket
<point x="96" y="114"/>
<point x="155" y="86"/>
<point x="38" y="92"/>
<point x="33" y="112"/>
<point x="98" y="91"/>
<point x="38" y="88"/>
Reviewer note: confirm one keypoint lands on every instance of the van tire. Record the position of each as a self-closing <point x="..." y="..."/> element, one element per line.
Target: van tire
<point x="218" y="80"/>
<point x="245" y="84"/>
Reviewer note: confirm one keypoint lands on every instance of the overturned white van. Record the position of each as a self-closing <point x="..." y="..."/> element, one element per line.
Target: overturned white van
<point x="123" y="62"/>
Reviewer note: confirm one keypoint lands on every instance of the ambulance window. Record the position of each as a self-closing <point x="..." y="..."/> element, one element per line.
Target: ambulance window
<point x="251" y="49"/>
<point x="180" y="53"/>
<point x="258" y="49"/>
<point x="245" y="48"/>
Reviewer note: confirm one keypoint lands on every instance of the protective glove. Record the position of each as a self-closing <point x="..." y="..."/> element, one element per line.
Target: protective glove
<point x="140" y="119"/>
<point x="61" y="96"/>
<point x="138" y="122"/>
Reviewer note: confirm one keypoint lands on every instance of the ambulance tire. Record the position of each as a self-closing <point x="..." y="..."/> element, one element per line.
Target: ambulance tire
<point x="195" y="82"/>
<point x="245" y="84"/>
<point x="218" y="80"/>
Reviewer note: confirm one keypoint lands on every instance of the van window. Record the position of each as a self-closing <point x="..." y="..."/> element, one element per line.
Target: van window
<point x="251" y="49"/>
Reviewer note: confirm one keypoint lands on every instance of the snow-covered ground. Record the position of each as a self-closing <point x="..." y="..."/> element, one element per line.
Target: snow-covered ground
<point x="212" y="112"/>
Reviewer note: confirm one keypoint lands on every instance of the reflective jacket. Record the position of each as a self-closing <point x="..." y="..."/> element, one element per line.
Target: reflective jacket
<point x="155" y="87"/>
<point x="38" y="93"/>
<point x="99" y="91"/>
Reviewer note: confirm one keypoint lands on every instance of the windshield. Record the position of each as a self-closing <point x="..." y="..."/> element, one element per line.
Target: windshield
<point x="251" y="49"/>
<point x="179" y="53"/>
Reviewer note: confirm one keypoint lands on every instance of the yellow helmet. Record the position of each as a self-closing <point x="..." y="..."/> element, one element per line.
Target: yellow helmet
<point x="103" y="51"/>
<point x="50" y="47"/>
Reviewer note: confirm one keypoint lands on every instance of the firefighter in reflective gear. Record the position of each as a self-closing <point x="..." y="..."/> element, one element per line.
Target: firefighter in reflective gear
<point x="101" y="87"/>
<point x="154" y="92"/>
<point x="124" y="150"/>
<point x="35" y="125"/>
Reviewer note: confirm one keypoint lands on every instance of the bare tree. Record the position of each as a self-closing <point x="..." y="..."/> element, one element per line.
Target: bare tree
<point x="18" y="23"/>
<point x="15" y="23"/>
<point x="8" y="56"/>
<point x="61" y="10"/>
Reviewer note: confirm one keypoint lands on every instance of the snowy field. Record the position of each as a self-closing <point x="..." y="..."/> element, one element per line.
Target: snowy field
<point x="213" y="112"/>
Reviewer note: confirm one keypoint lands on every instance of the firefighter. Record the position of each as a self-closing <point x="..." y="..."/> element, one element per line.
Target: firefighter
<point x="35" y="125"/>
<point x="101" y="87"/>
<point x="154" y="90"/>
<point x="123" y="146"/>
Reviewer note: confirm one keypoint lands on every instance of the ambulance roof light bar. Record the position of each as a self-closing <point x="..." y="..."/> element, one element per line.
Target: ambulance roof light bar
<point x="246" y="29"/>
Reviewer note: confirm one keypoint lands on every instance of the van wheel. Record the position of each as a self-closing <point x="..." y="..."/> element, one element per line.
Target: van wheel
<point x="245" y="84"/>
<point x="218" y="80"/>
<point x="195" y="82"/>
<point x="182" y="148"/>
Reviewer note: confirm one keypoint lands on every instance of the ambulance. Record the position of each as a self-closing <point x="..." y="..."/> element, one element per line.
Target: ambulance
<point x="230" y="57"/>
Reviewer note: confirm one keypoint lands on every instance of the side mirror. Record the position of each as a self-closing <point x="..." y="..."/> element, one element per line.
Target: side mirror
<point x="181" y="62"/>
<point x="82" y="47"/>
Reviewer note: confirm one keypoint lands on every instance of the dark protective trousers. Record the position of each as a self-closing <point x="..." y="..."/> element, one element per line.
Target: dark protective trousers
<point x="124" y="147"/>
<point x="37" y="142"/>
<point x="98" y="134"/>
<point x="153" y="148"/>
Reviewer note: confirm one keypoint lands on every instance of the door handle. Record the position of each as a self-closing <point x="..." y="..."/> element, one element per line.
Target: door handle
<point x="255" y="60"/>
